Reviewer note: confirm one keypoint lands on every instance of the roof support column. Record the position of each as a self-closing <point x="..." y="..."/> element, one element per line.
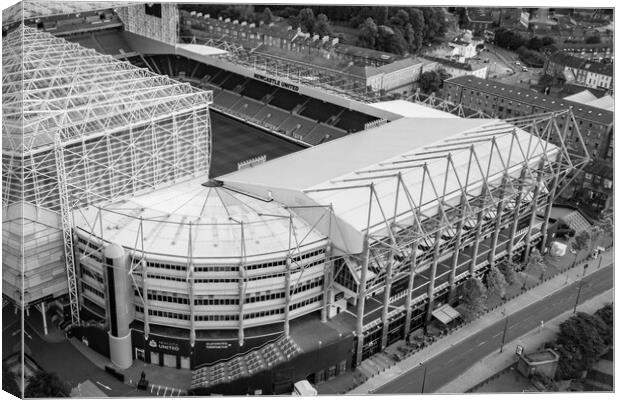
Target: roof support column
<point x="515" y="218"/>
<point x="242" y="280"/>
<point x="545" y="224"/>
<point x="328" y="279"/>
<point x="431" y="283"/>
<point x="361" y="299"/>
<point x="474" y="254"/>
<point x="498" y="224"/>
<point x="528" y="236"/>
<point x="287" y="295"/>
<point x="457" y="250"/>
<point x="145" y="297"/>
<point x="412" y="267"/>
<point x="386" y="300"/>
<point x="190" y="290"/>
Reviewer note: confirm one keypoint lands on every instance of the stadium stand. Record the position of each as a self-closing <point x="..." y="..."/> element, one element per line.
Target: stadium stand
<point x="248" y="107"/>
<point x="111" y="42"/>
<point x="287" y="100"/>
<point x="323" y="132"/>
<point x="297" y="126"/>
<point x="257" y="90"/>
<point x="320" y="110"/>
<point x="272" y="116"/>
<point x="86" y="40"/>
<point x="233" y="81"/>
<point x="226" y="99"/>
<point x="353" y="121"/>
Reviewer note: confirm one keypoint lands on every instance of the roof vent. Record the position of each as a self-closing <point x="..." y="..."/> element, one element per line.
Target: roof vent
<point x="213" y="183"/>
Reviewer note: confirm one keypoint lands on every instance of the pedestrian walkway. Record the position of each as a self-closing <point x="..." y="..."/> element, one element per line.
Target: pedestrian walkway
<point x="529" y="297"/>
<point x="531" y="342"/>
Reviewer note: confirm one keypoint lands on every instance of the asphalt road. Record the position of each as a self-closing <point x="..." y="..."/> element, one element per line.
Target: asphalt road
<point x="449" y="364"/>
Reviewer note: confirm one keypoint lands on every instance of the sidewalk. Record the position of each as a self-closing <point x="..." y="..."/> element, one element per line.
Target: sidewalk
<point x="496" y="362"/>
<point x="524" y="300"/>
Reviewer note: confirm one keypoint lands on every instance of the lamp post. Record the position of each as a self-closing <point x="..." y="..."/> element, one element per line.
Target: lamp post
<point x="585" y="267"/>
<point x="504" y="335"/>
<point x="423" y="378"/>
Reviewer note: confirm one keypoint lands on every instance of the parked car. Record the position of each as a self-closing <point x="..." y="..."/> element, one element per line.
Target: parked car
<point x="524" y="69"/>
<point x="517" y="62"/>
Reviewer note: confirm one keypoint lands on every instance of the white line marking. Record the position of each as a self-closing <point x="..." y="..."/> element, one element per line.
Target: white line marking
<point x="102" y="385"/>
<point x="481" y="343"/>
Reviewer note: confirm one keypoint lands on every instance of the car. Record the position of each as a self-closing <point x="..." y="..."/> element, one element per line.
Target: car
<point x="517" y="62"/>
<point x="524" y="69"/>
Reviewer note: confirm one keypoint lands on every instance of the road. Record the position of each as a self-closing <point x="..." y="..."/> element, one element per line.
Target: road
<point x="61" y="358"/>
<point x="449" y="364"/>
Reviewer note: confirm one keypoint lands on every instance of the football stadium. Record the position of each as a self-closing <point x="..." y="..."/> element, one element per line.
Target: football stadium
<point x="185" y="210"/>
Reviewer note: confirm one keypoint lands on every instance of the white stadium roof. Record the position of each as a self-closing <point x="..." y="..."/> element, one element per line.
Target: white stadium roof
<point x="224" y="224"/>
<point x="51" y="86"/>
<point x="339" y="173"/>
<point x="411" y="110"/>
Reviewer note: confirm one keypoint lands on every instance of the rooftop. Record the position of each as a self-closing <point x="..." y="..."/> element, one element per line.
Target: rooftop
<point x="52" y="86"/>
<point x="409" y="109"/>
<point x="543" y="101"/>
<point x="36" y="8"/>
<point x="222" y="222"/>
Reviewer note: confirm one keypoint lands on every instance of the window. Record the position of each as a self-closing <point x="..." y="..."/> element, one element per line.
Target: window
<point x="342" y="367"/>
<point x="153" y="9"/>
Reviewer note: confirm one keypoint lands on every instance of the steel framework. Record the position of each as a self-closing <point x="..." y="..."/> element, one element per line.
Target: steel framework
<point x="467" y="188"/>
<point x="81" y="127"/>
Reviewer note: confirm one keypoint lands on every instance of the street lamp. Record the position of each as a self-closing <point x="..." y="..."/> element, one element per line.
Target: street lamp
<point x="585" y="267"/>
<point x="504" y="335"/>
<point x="423" y="378"/>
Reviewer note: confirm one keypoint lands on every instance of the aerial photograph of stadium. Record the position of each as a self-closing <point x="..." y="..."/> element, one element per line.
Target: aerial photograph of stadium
<point x="237" y="199"/>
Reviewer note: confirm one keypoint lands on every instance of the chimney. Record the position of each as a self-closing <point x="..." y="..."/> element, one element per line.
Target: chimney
<point x="219" y="18"/>
<point x="192" y="13"/>
<point x="271" y="24"/>
<point x="207" y="16"/>
<point x="244" y="23"/>
<point x="260" y="23"/>
<point x="334" y="41"/>
<point x="315" y="38"/>
<point x="252" y="25"/>
<point x="236" y="22"/>
<point x="288" y="28"/>
<point x="227" y="20"/>
<point x="199" y="15"/>
<point x="325" y="39"/>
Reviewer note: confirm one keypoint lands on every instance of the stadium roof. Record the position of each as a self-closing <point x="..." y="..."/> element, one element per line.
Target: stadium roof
<point x="411" y="110"/>
<point x="51" y="86"/>
<point x="339" y="173"/>
<point x="31" y="9"/>
<point x="225" y="224"/>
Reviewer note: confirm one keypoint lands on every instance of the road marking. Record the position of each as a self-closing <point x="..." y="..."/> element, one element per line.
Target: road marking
<point x="165" y="391"/>
<point x="481" y="343"/>
<point x="102" y="385"/>
<point x="158" y="387"/>
<point x="497" y="334"/>
<point x="152" y="387"/>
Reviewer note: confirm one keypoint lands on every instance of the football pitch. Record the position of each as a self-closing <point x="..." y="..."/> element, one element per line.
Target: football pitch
<point x="234" y="141"/>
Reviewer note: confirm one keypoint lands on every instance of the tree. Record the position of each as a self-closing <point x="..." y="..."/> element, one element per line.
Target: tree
<point x="580" y="243"/>
<point x="416" y="18"/>
<point x="496" y="283"/>
<point x="367" y="36"/>
<point x="321" y="26"/>
<point x="509" y="269"/>
<point x="535" y="261"/>
<point x="9" y="381"/>
<point x="307" y="20"/>
<point x="473" y="296"/>
<point x="267" y="16"/>
<point x="547" y="41"/>
<point x="580" y="343"/>
<point x="434" y="24"/>
<point x="535" y="43"/>
<point x="46" y="384"/>
<point x="593" y="40"/>
<point x="606" y="314"/>
<point x="430" y="81"/>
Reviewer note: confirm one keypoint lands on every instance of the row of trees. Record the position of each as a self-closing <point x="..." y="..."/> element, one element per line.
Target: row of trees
<point x="41" y="384"/>
<point x="305" y="19"/>
<point x="403" y="32"/>
<point x="582" y="340"/>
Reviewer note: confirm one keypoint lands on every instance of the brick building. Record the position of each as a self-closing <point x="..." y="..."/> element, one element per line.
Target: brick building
<point x="595" y="124"/>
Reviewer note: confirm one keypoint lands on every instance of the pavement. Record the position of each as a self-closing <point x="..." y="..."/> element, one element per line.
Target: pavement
<point x="531" y="342"/>
<point x="455" y="353"/>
